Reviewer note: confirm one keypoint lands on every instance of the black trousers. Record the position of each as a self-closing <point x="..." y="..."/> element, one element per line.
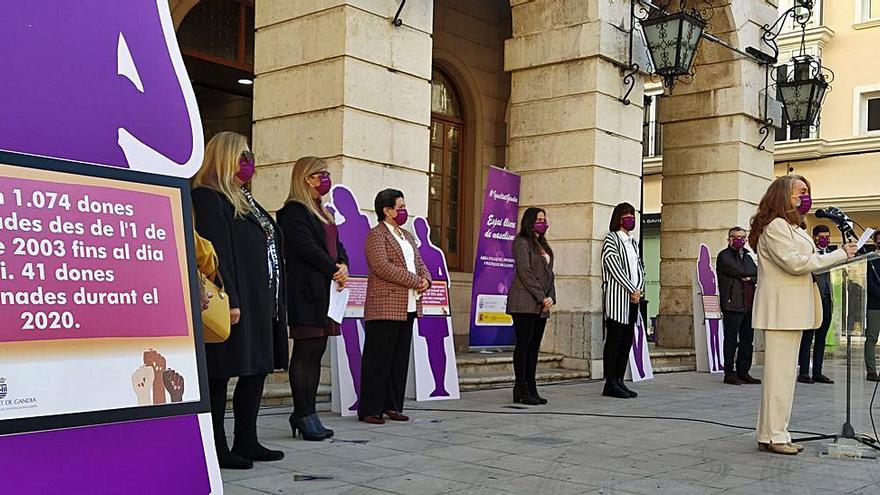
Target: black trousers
<point x="618" y="342"/>
<point x="738" y="339"/>
<point x="304" y="373"/>
<point x="819" y="346"/>
<point x="529" y="331"/>
<point x="384" y="365"/>
<point x="245" y="407"/>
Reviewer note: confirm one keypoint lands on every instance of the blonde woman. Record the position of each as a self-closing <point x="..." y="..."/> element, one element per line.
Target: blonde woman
<point x="787" y="301"/>
<point x="249" y="248"/>
<point x="316" y="257"/>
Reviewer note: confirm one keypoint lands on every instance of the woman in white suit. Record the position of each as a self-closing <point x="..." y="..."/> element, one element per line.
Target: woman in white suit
<point x="787" y="301"/>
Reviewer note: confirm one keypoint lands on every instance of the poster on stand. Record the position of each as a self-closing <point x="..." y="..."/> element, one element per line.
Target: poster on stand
<point x="494" y="269"/>
<point x="640" y="367"/>
<point x="707" y="315"/>
<point x="103" y="364"/>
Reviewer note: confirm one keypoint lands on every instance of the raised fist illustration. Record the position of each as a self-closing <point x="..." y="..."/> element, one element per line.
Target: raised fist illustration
<point x="157" y="362"/>
<point x="173" y="384"/>
<point x="142" y="383"/>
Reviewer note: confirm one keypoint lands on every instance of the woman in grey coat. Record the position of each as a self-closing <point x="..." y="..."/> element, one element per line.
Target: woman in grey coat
<point x="529" y="301"/>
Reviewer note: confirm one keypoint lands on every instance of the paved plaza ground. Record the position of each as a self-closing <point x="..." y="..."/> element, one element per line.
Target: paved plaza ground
<point x="517" y="451"/>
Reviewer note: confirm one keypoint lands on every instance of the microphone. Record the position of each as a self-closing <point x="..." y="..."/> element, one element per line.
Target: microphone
<point x="843" y="222"/>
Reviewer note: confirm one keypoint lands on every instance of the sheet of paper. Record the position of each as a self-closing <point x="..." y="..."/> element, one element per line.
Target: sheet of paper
<point x="338" y="302"/>
<point x="864" y="238"/>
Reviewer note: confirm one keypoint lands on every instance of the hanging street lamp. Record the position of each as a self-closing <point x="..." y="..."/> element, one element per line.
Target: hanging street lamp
<point x="803" y="92"/>
<point x="672" y="40"/>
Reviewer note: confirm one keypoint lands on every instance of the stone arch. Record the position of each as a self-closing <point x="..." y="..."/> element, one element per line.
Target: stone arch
<point x="713" y="173"/>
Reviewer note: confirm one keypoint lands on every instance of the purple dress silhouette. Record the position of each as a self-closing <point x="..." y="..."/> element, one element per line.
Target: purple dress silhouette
<point x="435" y="329"/>
<point x="709" y="287"/>
<point x="98" y="82"/>
<point x="353" y="234"/>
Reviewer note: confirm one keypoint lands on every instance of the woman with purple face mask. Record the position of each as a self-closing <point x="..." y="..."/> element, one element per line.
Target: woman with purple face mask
<point x="532" y="294"/>
<point x="396" y="281"/>
<point x="315" y="259"/>
<point x="623" y="282"/>
<point x="787" y="300"/>
<point x="249" y="249"/>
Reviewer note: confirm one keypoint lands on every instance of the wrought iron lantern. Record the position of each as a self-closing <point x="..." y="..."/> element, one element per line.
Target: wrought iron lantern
<point x="803" y="92"/>
<point x="672" y="40"/>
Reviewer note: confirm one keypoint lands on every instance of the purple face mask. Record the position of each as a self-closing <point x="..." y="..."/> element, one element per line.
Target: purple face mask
<point x="628" y="222"/>
<point x="823" y="242"/>
<point x="737" y="243"/>
<point x="805" y="202"/>
<point x="325" y="184"/>
<point x="401" y="217"/>
<point x="540" y="227"/>
<point x="245" y="166"/>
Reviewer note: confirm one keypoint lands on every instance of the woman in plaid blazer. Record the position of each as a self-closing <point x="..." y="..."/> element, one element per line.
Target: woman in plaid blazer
<point x="397" y="278"/>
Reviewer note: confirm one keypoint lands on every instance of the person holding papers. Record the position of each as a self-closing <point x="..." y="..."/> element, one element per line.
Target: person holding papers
<point x="317" y="263"/>
<point x="396" y="281"/>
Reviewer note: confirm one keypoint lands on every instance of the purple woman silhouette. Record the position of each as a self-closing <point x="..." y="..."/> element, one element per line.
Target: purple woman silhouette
<point x="709" y="287"/>
<point x="113" y="65"/>
<point x="434" y="329"/>
<point x="353" y="232"/>
<point x="639" y="346"/>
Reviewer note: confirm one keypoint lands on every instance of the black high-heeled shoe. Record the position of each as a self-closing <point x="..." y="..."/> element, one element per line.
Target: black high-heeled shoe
<point x="327" y="431"/>
<point x="307" y="428"/>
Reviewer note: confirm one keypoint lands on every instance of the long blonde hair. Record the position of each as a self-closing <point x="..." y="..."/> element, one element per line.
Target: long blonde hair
<point x="776" y="203"/>
<point x="219" y="167"/>
<point x="301" y="192"/>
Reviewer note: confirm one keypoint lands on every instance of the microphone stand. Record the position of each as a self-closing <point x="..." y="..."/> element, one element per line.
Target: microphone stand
<point x="847" y="431"/>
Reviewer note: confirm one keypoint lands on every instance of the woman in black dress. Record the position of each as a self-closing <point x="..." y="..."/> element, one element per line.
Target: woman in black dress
<point x="316" y="255"/>
<point x="249" y="248"/>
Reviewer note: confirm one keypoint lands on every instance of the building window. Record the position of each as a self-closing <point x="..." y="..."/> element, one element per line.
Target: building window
<point x="791" y="23"/>
<point x="652" y="138"/>
<point x="447" y="168"/>
<point x="220" y="31"/>
<point x="868" y="10"/>
<point x="866" y="110"/>
<point x="873" y="114"/>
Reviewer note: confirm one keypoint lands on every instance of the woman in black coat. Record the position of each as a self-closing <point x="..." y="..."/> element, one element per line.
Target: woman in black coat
<point x="249" y="248"/>
<point x="316" y="258"/>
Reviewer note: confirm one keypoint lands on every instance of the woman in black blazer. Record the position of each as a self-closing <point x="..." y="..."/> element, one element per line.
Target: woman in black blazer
<point x="249" y="248"/>
<point x="623" y="283"/>
<point x="315" y="257"/>
<point x="531" y="295"/>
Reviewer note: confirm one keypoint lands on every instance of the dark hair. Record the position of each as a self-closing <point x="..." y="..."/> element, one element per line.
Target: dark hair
<point x="819" y="229"/>
<point x="735" y="229"/>
<point x="619" y="211"/>
<point x="386" y="198"/>
<point x="527" y="228"/>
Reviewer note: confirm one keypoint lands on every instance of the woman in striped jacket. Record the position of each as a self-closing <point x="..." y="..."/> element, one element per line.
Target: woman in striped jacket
<point x="623" y="282"/>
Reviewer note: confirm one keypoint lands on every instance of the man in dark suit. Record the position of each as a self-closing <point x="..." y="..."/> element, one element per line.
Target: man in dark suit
<point x="822" y="238"/>
<point x="737" y="274"/>
<point x="873" y="328"/>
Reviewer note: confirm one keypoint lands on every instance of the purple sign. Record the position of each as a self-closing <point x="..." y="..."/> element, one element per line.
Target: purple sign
<point x="434" y="330"/>
<point x="709" y="292"/>
<point x="494" y="268"/>
<point x="154" y="456"/>
<point x="98" y="82"/>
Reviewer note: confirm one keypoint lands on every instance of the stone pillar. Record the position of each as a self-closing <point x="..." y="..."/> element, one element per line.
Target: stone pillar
<point x="337" y="80"/>
<point x="577" y="148"/>
<point x="713" y="174"/>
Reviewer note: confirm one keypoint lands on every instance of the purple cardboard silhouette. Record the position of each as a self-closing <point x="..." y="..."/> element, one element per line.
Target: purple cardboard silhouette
<point x="638" y="347"/>
<point x="434" y="329"/>
<point x="709" y="287"/>
<point x="353" y="230"/>
<point x="98" y="82"/>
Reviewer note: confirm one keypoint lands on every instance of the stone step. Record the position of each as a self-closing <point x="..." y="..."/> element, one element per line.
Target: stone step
<point x="670" y="360"/>
<point x="499" y="362"/>
<point x="484" y="380"/>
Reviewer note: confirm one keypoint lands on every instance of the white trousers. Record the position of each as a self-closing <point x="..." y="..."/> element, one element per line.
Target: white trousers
<point x="780" y="374"/>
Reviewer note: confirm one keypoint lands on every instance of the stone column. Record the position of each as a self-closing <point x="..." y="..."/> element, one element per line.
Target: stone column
<point x="577" y="148"/>
<point x="337" y="80"/>
<point x="713" y="173"/>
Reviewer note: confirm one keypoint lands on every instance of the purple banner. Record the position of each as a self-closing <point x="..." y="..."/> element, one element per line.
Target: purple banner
<point x="493" y="266"/>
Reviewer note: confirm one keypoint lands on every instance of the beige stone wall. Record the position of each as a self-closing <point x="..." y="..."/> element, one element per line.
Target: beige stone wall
<point x="576" y="146"/>
<point x="336" y="79"/>
<point x="469" y="47"/>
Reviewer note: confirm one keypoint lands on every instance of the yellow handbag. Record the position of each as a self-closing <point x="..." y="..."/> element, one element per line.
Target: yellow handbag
<point x="215" y="319"/>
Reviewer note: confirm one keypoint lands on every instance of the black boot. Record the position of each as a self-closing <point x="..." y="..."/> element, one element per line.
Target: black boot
<point x="522" y="395"/>
<point x="327" y="431"/>
<point x="622" y="384"/>
<point x="246" y="406"/>
<point x="612" y="389"/>
<point x="247" y="446"/>
<point x="533" y="388"/>
<point x="231" y="460"/>
<point x="307" y="428"/>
